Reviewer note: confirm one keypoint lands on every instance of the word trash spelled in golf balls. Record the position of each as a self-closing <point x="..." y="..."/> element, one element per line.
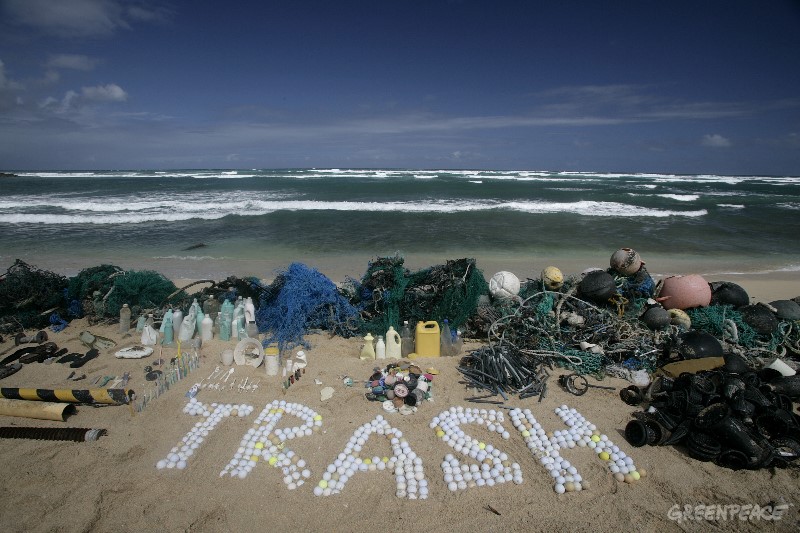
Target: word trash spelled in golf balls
<point x="483" y="464"/>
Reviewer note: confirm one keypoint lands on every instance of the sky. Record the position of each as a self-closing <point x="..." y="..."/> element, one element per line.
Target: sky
<point x="710" y="86"/>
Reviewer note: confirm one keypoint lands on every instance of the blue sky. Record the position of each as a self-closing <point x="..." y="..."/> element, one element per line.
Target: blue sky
<point x="639" y="86"/>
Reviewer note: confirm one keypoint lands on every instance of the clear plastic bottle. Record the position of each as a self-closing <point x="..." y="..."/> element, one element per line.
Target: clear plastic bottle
<point x="406" y="340"/>
<point x="124" y="319"/>
<point x="380" y="348"/>
<point x="446" y="339"/>
<point x="140" y="323"/>
<point x="458" y="342"/>
<point x="207" y="328"/>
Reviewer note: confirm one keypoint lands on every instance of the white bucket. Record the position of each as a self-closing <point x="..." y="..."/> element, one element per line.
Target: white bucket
<point x="272" y="364"/>
<point x="781" y="367"/>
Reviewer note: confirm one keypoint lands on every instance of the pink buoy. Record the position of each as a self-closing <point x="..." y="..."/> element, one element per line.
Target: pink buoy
<point x="685" y="292"/>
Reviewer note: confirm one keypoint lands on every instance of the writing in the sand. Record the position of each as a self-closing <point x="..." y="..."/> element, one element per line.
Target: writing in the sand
<point x="474" y="463"/>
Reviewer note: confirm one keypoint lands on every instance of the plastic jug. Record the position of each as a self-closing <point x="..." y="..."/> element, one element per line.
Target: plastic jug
<point x="393" y="344"/>
<point x="207" y="328"/>
<point x="428" y="341"/>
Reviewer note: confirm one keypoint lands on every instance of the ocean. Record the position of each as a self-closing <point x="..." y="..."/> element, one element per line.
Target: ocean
<point x="209" y="224"/>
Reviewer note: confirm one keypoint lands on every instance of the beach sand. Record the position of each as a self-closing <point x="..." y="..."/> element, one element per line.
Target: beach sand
<point x="113" y="484"/>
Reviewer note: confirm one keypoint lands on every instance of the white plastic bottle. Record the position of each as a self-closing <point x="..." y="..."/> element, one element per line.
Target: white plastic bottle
<point x="446" y="340"/>
<point x="207" y="329"/>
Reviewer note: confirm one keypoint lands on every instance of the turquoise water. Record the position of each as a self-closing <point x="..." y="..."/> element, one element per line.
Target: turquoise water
<point x="141" y="218"/>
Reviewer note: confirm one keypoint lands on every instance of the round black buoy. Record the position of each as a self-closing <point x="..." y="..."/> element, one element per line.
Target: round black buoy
<point x="760" y="318"/>
<point x="786" y="309"/>
<point x="598" y="286"/>
<point x="698" y="344"/>
<point x="656" y="317"/>
<point x="728" y="293"/>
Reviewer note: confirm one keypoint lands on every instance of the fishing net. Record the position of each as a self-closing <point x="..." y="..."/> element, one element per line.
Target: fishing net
<point x="716" y="319"/>
<point x="300" y="299"/>
<point x="82" y="288"/>
<point x="28" y="296"/>
<point x="388" y="293"/>
<point x="142" y="290"/>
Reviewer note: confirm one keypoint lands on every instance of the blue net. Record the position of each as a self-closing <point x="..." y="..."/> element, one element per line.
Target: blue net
<point x="306" y="300"/>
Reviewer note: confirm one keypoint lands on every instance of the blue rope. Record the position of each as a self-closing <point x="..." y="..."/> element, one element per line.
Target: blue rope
<point x="57" y="323"/>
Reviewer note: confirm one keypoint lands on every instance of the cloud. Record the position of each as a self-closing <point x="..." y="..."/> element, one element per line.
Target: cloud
<point x="74" y="100"/>
<point x="71" y="61"/>
<point x="80" y="18"/>
<point x="715" y="141"/>
<point x="104" y="93"/>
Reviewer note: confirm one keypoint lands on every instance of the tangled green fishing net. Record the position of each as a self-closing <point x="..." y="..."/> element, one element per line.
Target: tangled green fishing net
<point x="712" y="319"/>
<point x="141" y="290"/>
<point x="388" y="293"/>
<point x="28" y="296"/>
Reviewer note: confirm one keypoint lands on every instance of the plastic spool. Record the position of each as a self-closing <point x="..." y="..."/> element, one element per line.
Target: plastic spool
<point x="249" y="352"/>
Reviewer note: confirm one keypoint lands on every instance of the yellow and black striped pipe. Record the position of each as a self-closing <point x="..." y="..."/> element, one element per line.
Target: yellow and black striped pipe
<point x="102" y="396"/>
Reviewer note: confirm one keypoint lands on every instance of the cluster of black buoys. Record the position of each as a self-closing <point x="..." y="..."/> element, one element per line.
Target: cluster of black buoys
<point x="733" y="416"/>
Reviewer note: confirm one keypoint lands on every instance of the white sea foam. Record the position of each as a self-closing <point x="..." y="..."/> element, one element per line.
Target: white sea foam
<point x="680" y="197"/>
<point x="212" y="208"/>
<point x="731" y="206"/>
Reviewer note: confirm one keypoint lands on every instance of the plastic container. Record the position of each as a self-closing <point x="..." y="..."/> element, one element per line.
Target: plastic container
<point x="169" y="332"/>
<point x="124" y="319"/>
<point x="406" y="340"/>
<point x="368" y="351"/>
<point x="140" y="323"/>
<point x="393" y="344"/>
<point x="427" y="342"/>
<point x="271" y="356"/>
<point x="380" y="348"/>
<point x="446" y="340"/>
<point x="207" y="328"/>
<point x="177" y="320"/>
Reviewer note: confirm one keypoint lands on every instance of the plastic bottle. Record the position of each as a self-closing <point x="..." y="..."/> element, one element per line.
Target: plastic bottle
<point x="177" y="322"/>
<point x="207" y="328"/>
<point x="124" y="319"/>
<point x="217" y="322"/>
<point x="380" y="348"/>
<point x="458" y="342"/>
<point x="368" y="351"/>
<point x="393" y="344"/>
<point x="188" y="327"/>
<point x="226" y="320"/>
<point x="150" y="321"/>
<point x="446" y="339"/>
<point x="140" y="323"/>
<point x="169" y="332"/>
<point x="406" y="340"/>
<point x="167" y="315"/>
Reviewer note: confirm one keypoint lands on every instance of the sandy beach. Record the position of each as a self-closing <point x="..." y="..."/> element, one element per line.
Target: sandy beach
<point x="114" y="484"/>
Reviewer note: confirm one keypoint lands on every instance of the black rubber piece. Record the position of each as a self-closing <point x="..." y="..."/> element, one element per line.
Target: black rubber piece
<point x="735" y="363"/>
<point x="638" y="433"/>
<point x="733" y="459"/>
<point x="91" y="354"/>
<point x="759" y="318"/>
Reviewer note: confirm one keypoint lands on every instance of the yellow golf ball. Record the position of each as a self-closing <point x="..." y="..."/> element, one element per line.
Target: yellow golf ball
<point x="604" y="456"/>
<point x="323" y="484"/>
<point x="367" y="461"/>
<point x="273" y="460"/>
<point x="635" y="475"/>
<point x="595" y="438"/>
<point x="254" y="458"/>
<point x="317" y="417"/>
<point x="482" y="445"/>
<point x="526" y="433"/>
<point x="440" y="433"/>
<point x="259" y="445"/>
